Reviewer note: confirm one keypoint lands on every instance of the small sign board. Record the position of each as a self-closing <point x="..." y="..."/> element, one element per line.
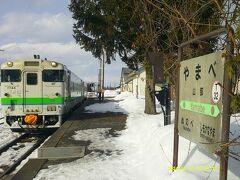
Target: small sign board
<point x="216" y="92"/>
<point x="158" y="87"/>
<point x="200" y="99"/>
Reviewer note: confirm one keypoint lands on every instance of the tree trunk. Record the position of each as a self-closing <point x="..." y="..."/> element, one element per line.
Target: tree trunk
<point x="150" y="105"/>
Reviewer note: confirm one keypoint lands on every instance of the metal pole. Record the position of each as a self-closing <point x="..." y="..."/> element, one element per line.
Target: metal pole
<point x="176" y="136"/>
<point x="227" y="88"/>
<point x="137" y="86"/>
<point x="205" y="36"/>
<point x="169" y="103"/>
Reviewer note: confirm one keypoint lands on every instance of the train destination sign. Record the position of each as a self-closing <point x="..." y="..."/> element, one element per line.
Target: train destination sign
<point x="200" y="99"/>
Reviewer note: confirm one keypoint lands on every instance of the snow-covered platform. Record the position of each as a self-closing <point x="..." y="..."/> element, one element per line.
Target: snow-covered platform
<point x="70" y="142"/>
<point x="142" y="150"/>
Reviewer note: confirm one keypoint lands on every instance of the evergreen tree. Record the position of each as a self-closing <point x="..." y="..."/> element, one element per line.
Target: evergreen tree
<point x="134" y="28"/>
<point x="114" y="26"/>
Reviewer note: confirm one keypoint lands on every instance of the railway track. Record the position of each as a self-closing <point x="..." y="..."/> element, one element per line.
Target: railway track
<point x="17" y="150"/>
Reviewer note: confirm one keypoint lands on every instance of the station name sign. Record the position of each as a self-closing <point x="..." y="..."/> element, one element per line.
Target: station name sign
<point x="200" y="98"/>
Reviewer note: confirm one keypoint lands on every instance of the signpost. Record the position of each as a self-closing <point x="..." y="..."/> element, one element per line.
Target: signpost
<point x="200" y="104"/>
<point x="197" y="103"/>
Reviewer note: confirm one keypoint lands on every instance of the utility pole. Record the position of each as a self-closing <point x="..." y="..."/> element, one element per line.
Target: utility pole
<point x="100" y="80"/>
<point x="103" y="62"/>
<point x="101" y="76"/>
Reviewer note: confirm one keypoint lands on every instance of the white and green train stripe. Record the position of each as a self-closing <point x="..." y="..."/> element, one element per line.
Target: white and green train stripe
<point x="31" y="101"/>
<point x="38" y="101"/>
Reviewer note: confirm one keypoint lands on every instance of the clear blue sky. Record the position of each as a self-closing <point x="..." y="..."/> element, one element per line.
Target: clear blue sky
<point x="44" y="27"/>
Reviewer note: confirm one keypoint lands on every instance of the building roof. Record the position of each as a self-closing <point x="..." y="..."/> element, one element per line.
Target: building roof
<point x="126" y="71"/>
<point x="125" y="75"/>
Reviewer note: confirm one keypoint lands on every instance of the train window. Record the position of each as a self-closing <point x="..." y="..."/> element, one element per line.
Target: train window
<point x="31" y="78"/>
<point x="10" y="75"/>
<point x="53" y="75"/>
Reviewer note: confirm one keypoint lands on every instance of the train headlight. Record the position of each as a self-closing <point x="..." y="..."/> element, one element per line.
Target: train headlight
<point x="10" y="64"/>
<point x="54" y="64"/>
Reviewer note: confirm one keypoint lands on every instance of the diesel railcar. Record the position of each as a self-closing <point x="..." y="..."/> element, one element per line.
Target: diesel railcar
<point x="37" y="94"/>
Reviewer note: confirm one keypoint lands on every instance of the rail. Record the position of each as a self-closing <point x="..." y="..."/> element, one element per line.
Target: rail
<point x="13" y="166"/>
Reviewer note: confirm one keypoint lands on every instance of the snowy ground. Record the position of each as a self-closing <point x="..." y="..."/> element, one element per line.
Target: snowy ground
<point x="143" y="151"/>
<point x="9" y="157"/>
<point x="6" y="134"/>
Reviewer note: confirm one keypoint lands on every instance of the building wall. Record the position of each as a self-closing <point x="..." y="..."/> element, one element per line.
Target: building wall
<point x="139" y="82"/>
<point x="134" y="82"/>
<point x="124" y="78"/>
<point x="129" y="86"/>
<point x="142" y="82"/>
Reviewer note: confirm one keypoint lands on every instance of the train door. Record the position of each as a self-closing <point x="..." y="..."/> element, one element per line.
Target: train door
<point x="32" y="100"/>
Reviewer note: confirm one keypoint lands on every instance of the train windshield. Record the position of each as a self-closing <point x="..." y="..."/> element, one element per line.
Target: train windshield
<point x="10" y="75"/>
<point x="53" y="75"/>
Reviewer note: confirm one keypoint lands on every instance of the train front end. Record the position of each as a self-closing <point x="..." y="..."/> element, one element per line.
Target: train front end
<point x="32" y="94"/>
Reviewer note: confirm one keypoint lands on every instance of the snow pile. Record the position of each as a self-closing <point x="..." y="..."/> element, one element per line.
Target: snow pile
<point x="10" y="156"/>
<point x="6" y="135"/>
<point x="143" y="151"/>
<point x="110" y="93"/>
<point x="103" y="108"/>
<point x="132" y="105"/>
<point x="123" y="96"/>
